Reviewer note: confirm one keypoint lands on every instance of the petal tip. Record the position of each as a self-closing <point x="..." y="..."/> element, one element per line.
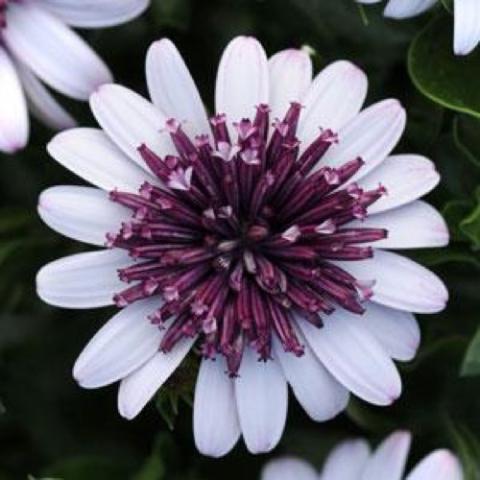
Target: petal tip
<point x="126" y="411"/>
<point x="13" y="147"/>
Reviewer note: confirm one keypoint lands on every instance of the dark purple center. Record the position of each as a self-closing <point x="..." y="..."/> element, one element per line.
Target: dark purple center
<point x="3" y="10"/>
<point x="243" y="234"/>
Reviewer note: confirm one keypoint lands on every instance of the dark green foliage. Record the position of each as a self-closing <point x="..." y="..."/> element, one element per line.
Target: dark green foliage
<point x="50" y="428"/>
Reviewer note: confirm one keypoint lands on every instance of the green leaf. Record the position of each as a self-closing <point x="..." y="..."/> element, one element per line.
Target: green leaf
<point x="434" y="257"/>
<point x="468" y="448"/>
<point x="454" y="212"/>
<point x="369" y="418"/>
<point x="466" y="138"/>
<point x="448" y="4"/>
<point x="178" y="389"/>
<point x="31" y="477"/>
<point x="470" y="225"/>
<point x="155" y="466"/>
<point x="363" y="14"/>
<point x="471" y="362"/>
<point x="153" y="469"/>
<point x="447" y="79"/>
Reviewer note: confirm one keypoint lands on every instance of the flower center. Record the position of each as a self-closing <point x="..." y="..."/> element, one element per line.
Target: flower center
<point x="243" y="236"/>
<point x="3" y="11"/>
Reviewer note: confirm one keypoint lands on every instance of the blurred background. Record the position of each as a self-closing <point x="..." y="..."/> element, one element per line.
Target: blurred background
<point x="50" y="428"/>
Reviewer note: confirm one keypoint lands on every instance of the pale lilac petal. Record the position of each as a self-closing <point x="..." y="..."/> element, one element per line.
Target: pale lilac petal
<point x="215" y="419"/>
<point x="42" y="103"/>
<point x="400" y="9"/>
<point x="467" y="25"/>
<point x="123" y="344"/>
<point x="90" y="154"/>
<point x="346" y="461"/>
<point x="83" y="213"/>
<point x="371" y="135"/>
<point x="290" y="77"/>
<point x="56" y="54"/>
<point x="334" y="98"/>
<point x="84" y="280"/>
<point x="354" y="357"/>
<point x="172" y="88"/>
<point x="96" y="13"/>
<point x="416" y="225"/>
<point x="405" y="177"/>
<point x="242" y="79"/>
<point x="137" y="389"/>
<point x="320" y="395"/>
<point x="14" y="125"/>
<point x="389" y="459"/>
<point x="288" y="469"/>
<point x="130" y="121"/>
<point x="398" y="332"/>
<point x="439" y="465"/>
<point x="400" y="282"/>
<point x="261" y="420"/>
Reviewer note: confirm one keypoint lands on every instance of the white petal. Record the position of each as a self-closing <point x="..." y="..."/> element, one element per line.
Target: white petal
<point x="371" y="135"/>
<point x="398" y="332"/>
<point x="215" y="419"/>
<point x="290" y="76"/>
<point x="288" y="469"/>
<point x="400" y="282"/>
<point x="14" y="125"/>
<point x="334" y="98"/>
<point x="439" y="465"/>
<point x="406" y="178"/>
<point x="130" y="121"/>
<point x="56" y="54"/>
<point x="389" y="459"/>
<point x="90" y="154"/>
<point x="139" y="387"/>
<point x="346" y="461"/>
<point x="96" y="13"/>
<point x="85" y="280"/>
<point x="467" y="25"/>
<point x="400" y="9"/>
<point x="82" y="213"/>
<point x="242" y="79"/>
<point x="42" y="103"/>
<point x="354" y="357"/>
<point x="416" y="225"/>
<point x="122" y="345"/>
<point x="172" y="88"/>
<point x="261" y="420"/>
<point x="320" y="395"/>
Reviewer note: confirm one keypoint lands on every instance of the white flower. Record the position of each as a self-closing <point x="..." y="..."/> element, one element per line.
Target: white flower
<point x="272" y="259"/>
<point x="37" y="47"/>
<point x="466" y="15"/>
<point x="352" y="460"/>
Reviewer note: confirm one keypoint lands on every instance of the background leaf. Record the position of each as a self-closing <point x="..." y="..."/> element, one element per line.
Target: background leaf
<point x="440" y="75"/>
<point x="51" y="428"/>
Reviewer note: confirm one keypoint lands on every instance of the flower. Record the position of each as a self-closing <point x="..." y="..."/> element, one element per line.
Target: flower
<point x="254" y="241"/>
<point x="37" y="47"/>
<point x="466" y="19"/>
<point x="352" y="460"/>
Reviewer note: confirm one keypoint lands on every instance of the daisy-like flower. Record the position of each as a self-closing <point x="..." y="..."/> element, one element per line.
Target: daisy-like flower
<point x="352" y="460"/>
<point x="258" y="236"/>
<point x="466" y="19"/>
<point x="38" y="49"/>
